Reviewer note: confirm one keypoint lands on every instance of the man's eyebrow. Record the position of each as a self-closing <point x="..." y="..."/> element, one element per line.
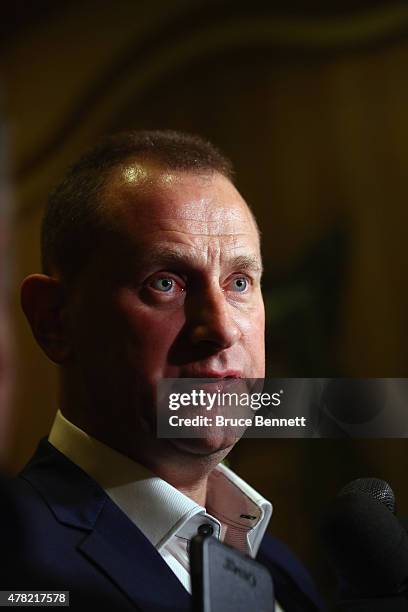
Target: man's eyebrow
<point x="249" y="263"/>
<point x="172" y="257"/>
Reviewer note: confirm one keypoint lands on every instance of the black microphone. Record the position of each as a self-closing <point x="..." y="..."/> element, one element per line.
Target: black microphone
<point x="368" y="547"/>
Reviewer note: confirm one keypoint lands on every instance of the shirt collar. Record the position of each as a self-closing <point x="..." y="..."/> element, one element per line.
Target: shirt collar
<point x="158" y="509"/>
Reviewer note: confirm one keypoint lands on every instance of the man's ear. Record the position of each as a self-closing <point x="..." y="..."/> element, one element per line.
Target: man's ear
<point x="43" y="301"/>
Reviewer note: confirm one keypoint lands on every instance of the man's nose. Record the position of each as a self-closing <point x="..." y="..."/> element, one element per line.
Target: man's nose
<point x="212" y="320"/>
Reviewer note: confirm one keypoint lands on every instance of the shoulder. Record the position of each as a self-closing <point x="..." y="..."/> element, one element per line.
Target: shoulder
<point x="48" y="496"/>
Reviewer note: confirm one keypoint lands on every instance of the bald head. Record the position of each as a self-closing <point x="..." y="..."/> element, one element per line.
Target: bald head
<point x="74" y="221"/>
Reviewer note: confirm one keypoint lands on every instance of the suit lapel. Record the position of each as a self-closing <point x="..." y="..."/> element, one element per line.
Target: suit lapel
<point x="112" y="542"/>
<point x="127" y="557"/>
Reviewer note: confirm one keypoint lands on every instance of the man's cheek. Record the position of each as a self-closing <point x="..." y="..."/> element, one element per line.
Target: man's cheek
<point x="148" y="351"/>
<point x="253" y="332"/>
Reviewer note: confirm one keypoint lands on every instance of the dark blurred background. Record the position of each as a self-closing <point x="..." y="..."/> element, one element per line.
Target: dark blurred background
<point x="310" y="100"/>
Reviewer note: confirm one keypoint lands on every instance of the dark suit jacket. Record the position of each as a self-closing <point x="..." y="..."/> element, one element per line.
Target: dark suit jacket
<point x="76" y="539"/>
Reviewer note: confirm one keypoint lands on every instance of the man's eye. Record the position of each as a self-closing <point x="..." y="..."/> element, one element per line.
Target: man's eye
<point x="163" y="284"/>
<point x="240" y="284"/>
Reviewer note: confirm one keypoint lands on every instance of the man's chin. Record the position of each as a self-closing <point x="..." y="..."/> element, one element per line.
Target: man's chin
<point x="205" y="446"/>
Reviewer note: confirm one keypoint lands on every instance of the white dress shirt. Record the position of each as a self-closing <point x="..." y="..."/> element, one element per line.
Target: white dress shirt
<point x="168" y="518"/>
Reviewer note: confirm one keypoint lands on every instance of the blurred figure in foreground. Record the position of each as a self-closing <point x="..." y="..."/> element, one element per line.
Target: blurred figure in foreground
<point x="5" y="262"/>
<point x="10" y="532"/>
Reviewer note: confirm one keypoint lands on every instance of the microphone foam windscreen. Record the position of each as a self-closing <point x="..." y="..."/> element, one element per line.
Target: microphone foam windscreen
<point x="367" y="544"/>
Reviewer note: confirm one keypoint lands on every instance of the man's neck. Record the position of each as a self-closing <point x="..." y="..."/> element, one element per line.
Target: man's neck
<point x="186" y="471"/>
<point x="197" y="492"/>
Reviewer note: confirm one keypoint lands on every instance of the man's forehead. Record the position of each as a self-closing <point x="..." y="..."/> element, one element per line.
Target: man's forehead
<point x="152" y="199"/>
<point x="166" y="252"/>
<point x="170" y="244"/>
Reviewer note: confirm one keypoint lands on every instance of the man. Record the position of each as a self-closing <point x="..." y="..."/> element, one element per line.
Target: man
<point x="151" y="270"/>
